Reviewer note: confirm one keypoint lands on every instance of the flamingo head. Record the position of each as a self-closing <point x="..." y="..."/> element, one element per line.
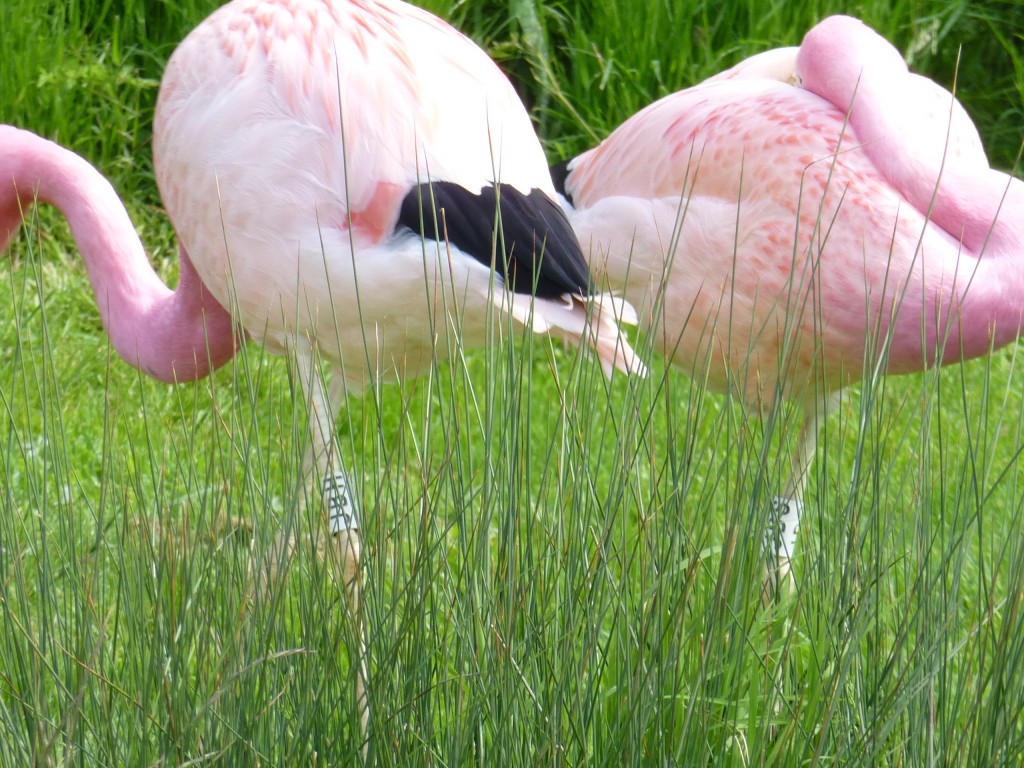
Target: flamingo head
<point x="840" y="55"/>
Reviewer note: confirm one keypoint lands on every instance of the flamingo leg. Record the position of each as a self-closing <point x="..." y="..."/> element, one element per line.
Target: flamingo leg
<point x="323" y="466"/>
<point x="786" y="509"/>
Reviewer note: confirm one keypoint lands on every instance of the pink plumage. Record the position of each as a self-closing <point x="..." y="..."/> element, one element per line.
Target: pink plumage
<point x="308" y="122"/>
<point x="783" y="240"/>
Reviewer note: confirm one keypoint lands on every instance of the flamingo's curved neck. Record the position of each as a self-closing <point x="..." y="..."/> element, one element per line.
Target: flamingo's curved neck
<point x="981" y="210"/>
<point x="980" y="302"/>
<point x="171" y="335"/>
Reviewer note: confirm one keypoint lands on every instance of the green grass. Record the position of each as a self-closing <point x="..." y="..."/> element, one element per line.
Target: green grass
<point x="559" y="570"/>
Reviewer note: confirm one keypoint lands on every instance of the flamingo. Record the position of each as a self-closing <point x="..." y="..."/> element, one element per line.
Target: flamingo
<point x="351" y="181"/>
<point x="813" y="215"/>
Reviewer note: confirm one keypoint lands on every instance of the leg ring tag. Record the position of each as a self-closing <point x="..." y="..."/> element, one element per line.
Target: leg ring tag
<point x="342" y="514"/>
<point x="783" y="526"/>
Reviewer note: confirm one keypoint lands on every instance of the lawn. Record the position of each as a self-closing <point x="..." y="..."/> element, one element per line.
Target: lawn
<point x="559" y="569"/>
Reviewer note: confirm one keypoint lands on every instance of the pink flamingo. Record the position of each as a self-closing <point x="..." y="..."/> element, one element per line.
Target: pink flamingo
<point x="784" y="241"/>
<point x="335" y="171"/>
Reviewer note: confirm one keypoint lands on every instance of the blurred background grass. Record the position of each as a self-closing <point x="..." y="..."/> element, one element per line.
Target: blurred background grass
<point x="560" y="571"/>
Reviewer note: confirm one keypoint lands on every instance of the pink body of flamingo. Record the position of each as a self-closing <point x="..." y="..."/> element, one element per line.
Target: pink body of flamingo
<point x="333" y="170"/>
<point x="782" y="240"/>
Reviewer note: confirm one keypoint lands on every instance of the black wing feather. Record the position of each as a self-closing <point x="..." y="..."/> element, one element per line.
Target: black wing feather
<point x="537" y="251"/>
<point x="559" y="175"/>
